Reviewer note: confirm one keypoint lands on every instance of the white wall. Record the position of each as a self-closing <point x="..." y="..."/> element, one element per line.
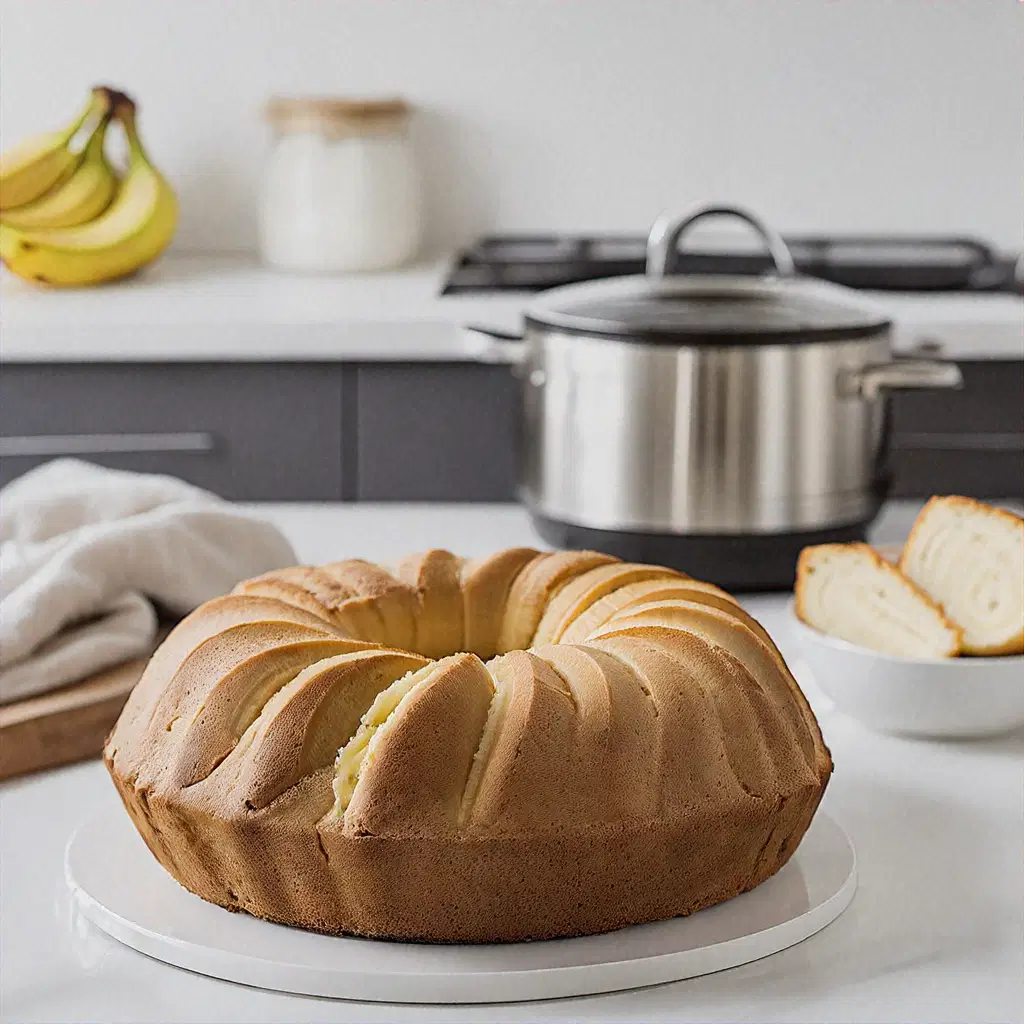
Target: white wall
<point x="823" y="114"/>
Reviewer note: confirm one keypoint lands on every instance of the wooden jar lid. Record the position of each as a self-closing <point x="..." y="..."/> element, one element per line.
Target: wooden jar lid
<point x="336" y="116"/>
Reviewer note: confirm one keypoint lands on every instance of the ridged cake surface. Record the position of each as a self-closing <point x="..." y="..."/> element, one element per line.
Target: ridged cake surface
<point x="522" y="746"/>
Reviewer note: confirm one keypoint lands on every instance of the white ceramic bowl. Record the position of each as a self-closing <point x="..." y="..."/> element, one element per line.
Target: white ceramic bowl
<point x="939" y="698"/>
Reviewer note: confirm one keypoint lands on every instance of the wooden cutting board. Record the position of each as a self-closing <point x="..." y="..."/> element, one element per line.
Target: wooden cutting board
<point x="65" y="725"/>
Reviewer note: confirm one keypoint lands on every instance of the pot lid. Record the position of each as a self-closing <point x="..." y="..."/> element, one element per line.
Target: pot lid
<point x="663" y="306"/>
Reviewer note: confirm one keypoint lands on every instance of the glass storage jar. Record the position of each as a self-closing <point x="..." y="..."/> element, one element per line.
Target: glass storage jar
<point x="341" y="190"/>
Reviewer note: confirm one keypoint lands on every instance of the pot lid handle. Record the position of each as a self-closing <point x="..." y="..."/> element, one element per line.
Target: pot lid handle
<point x="663" y="241"/>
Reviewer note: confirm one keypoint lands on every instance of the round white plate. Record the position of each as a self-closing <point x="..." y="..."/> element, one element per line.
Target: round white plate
<point x="120" y="887"/>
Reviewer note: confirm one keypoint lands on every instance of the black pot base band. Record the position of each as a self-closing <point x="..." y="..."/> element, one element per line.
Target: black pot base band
<point x="739" y="562"/>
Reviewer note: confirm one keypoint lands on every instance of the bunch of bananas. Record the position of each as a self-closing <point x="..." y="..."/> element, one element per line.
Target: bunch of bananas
<point x="67" y="217"/>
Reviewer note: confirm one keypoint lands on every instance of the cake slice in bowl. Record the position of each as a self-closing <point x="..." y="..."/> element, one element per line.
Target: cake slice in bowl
<point x="968" y="557"/>
<point x="849" y="591"/>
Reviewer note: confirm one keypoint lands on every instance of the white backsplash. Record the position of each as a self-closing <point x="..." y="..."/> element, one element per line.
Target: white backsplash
<point x="569" y="114"/>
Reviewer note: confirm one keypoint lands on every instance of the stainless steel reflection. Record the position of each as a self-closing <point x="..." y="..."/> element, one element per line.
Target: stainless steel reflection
<point x="700" y="440"/>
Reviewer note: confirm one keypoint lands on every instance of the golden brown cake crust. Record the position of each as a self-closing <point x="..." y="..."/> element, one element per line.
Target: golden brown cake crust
<point x="661" y="763"/>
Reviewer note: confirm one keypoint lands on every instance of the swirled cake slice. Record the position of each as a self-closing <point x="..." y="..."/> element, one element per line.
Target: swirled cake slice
<point x="849" y="591"/>
<point x="969" y="558"/>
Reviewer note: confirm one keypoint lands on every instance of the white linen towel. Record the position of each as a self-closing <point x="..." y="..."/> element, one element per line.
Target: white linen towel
<point x="86" y="553"/>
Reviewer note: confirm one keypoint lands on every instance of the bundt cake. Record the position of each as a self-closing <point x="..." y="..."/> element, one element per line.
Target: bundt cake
<point x="522" y="746"/>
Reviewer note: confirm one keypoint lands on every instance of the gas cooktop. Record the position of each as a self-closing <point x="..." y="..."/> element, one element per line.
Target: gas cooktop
<point x="531" y="263"/>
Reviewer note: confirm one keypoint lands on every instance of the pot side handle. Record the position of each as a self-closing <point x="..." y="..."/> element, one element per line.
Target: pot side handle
<point x="494" y="345"/>
<point x="870" y="381"/>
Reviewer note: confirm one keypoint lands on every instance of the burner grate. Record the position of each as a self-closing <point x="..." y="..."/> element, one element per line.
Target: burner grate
<point x="531" y="263"/>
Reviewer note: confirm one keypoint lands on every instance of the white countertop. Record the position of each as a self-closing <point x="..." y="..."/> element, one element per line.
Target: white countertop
<point x="934" y="932"/>
<point x="230" y="308"/>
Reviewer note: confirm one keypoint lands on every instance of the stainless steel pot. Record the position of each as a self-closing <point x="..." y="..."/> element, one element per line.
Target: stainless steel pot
<point x="710" y="422"/>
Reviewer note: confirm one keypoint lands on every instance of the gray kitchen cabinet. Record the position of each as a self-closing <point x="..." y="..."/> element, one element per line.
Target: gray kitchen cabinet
<point x="436" y="432"/>
<point x="962" y="442"/>
<point x="920" y="473"/>
<point x="408" y="431"/>
<point x="247" y="431"/>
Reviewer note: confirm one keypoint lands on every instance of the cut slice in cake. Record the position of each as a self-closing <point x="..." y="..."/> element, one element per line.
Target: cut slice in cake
<point x="849" y="591"/>
<point x="969" y="557"/>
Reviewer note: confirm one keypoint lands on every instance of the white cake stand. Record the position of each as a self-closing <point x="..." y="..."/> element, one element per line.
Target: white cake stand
<point x="119" y="886"/>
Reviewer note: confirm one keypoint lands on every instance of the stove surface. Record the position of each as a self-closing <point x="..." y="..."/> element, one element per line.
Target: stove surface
<point x="531" y="263"/>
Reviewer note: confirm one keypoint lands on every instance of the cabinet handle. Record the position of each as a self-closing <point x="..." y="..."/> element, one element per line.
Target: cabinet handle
<point x="980" y="442"/>
<point x="54" y="445"/>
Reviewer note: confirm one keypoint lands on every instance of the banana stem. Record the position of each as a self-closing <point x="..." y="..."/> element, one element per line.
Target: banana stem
<point x="100" y="105"/>
<point x="124" y="111"/>
<point x="111" y="97"/>
<point x="94" y="144"/>
<point x="96" y="105"/>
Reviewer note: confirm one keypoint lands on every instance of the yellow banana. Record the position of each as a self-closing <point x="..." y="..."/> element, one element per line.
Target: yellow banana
<point x="130" y="233"/>
<point x="32" y="167"/>
<point x="82" y="198"/>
